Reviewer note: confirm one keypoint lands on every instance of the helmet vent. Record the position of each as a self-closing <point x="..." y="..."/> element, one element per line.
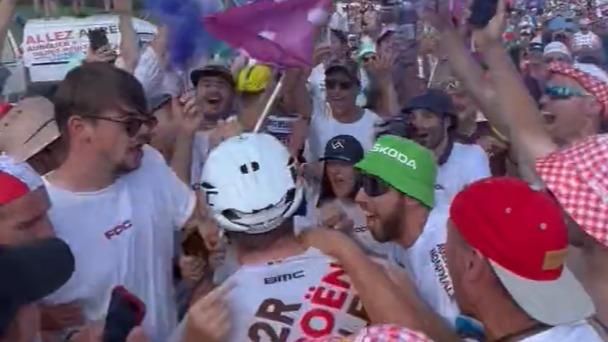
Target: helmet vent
<point x="252" y="167"/>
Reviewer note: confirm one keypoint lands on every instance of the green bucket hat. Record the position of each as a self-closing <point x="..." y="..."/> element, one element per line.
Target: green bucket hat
<point x="403" y="164"/>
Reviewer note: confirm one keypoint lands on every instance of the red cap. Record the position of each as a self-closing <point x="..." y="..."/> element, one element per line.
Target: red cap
<point x="4" y="108"/>
<point x="16" y="180"/>
<point x="520" y="229"/>
<point x="12" y="188"/>
<point x="523" y="234"/>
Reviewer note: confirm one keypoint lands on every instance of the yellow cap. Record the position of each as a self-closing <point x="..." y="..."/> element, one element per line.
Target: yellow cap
<point x="254" y="79"/>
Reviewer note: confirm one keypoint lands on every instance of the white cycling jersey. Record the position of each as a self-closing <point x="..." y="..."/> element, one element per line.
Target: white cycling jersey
<point x="298" y="298"/>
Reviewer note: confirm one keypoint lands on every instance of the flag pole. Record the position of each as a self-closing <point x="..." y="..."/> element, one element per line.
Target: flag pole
<point x="269" y="103"/>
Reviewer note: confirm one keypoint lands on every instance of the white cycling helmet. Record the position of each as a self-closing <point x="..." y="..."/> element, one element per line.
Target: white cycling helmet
<point x="251" y="184"/>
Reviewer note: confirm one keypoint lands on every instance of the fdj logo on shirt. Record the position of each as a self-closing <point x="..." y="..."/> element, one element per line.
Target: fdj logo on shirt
<point x="329" y="308"/>
<point x="393" y="153"/>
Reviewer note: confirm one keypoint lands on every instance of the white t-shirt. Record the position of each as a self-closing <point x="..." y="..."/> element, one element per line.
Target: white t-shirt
<point x="324" y="127"/>
<point x="316" y="88"/>
<point x="425" y="261"/>
<point x="155" y="79"/>
<point x="575" y="332"/>
<point x="465" y="165"/>
<point x="307" y="295"/>
<point x="586" y="40"/>
<point x="301" y="296"/>
<point x="123" y="235"/>
<point x="200" y="151"/>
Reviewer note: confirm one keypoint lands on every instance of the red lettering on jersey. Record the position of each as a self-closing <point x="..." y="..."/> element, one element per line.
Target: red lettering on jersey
<point x="317" y="314"/>
<point x="329" y="298"/>
<point x="333" y="278"/>
<point x="119" y="229"/>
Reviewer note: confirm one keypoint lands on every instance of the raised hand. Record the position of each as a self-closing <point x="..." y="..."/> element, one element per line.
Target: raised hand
<point x="209" y="318"/>
<point x="334" y="217"/>
<point x="224" y="130"/>
<point x="332" y="242"/>
<point x="381" y="67"/>
<point x="123" y="6"/>
<point x="186" y="111"/>
<point x="104" y="54"/>
<point x="439" y="17"/>
<point x="492" y="33"/>
<point x="192" y="267"/>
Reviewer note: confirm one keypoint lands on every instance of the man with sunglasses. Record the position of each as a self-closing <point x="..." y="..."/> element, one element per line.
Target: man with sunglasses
<point x="574" y="102"/>
<point x="344" y="116"/>
<point x="115" y="200"/>
<point x="397" y="196"/>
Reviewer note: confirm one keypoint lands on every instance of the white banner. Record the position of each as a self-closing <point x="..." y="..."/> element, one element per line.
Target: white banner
<point x="62" y="40"/>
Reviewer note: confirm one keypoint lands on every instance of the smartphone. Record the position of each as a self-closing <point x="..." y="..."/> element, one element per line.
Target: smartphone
<point x="98" y="38"/>
<point x="482" y="11"/>
<point x="125" y="312"/>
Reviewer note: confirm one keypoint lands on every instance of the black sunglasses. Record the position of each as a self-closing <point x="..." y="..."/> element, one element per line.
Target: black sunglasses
<point x="373" y="186"/>
<point x="132" y="125"/>
<point x="343" y="85"/>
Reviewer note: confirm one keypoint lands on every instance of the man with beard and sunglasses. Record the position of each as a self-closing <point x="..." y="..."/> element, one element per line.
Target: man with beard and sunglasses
<point x="115" y="200"/>
<point x="397" y="196"/>
<point x="431" y="118"/>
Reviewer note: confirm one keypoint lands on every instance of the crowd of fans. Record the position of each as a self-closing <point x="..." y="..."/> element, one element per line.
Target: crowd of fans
<point x="398" y="190"/>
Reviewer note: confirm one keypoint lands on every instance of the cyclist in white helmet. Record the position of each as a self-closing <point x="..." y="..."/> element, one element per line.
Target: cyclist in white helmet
<point x="283" y="290"/>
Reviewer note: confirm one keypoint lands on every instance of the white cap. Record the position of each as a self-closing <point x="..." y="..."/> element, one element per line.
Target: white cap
<point x="557" y="47"/>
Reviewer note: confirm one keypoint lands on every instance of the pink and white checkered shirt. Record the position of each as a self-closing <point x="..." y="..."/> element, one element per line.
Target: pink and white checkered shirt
<point x="378" y="333"/>
<point x="578" y="177"/>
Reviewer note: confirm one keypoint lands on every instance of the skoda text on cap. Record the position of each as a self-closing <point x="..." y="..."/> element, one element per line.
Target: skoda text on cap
<point x="522" y="233"/>
<point x="404" y="165"/>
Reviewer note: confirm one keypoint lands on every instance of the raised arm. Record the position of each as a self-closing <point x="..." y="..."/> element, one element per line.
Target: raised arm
<point x="464" y="67"/>
<point x="381" y="71"/>
<point x="7" y="9"/>
<point x="525" y="123"/>
<point x="129" y="45"/>
<point x="386" y="299"/>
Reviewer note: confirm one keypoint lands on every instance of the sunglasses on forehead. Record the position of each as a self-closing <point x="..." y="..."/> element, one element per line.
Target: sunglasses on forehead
<point x="373" y="186"/>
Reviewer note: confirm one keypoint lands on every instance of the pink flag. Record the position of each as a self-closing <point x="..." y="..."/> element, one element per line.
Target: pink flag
<point x="274" y="32"/>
